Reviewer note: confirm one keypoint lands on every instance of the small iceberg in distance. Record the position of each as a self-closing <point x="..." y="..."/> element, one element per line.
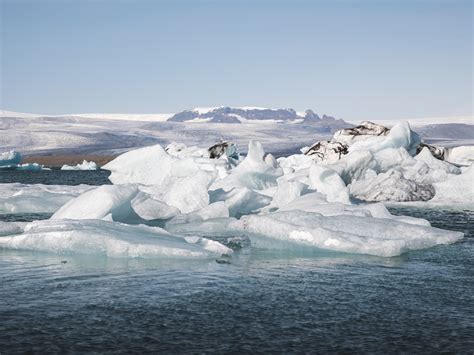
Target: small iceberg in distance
<point x="85" y="165"/>
<point x="12" y="160"/>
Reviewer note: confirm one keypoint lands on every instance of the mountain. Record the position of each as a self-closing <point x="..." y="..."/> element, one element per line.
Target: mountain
<point x="225" y="114"/>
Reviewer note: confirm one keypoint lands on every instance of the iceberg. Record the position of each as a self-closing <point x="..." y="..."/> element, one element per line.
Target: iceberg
<point x="300" y="202"/>
<point x="10" y="228"/>
<point x="85" y="165"/>
<point x="12" y="160"/>
<point x="9" y="159"/>
<point x="299" y="230"/>
<point x="102" y="201"/>
<point x="253" y="172"/>
<point x="38" y="198"/>
<point x="111" y="239"/>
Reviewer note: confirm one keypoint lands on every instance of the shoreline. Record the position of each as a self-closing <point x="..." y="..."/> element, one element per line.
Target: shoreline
<point x="57" y="161"/>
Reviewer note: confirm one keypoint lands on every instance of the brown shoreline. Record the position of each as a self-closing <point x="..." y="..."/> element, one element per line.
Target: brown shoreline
<point x="57" y="161"/>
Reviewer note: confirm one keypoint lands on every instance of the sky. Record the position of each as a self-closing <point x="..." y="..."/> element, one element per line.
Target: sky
<point x="350" y="59"/>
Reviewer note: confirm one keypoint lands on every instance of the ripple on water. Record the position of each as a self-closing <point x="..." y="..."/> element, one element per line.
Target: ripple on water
<point x="271" y="301"/>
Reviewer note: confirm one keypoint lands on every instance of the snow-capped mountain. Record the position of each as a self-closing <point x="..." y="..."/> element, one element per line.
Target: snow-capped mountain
<point x="226" y="114"/>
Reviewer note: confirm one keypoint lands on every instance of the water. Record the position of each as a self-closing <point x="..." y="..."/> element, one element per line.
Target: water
<point x="56" y="177"/>
<point x="262" y="301"/>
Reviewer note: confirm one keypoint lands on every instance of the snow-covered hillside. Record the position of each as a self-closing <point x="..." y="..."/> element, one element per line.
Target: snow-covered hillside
<point x="279" y="130"/>
<point x="107" y="134"/>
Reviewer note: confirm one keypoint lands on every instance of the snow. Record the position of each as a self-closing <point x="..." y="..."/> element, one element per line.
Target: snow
<point x="146" y="117"/>
<point x="154" y="117"/>
<point x="421" y="121"/>
<point x="85" y="165"/>
<point x="116" y="240"/>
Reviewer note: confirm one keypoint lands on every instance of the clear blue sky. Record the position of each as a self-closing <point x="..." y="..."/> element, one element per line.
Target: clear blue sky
<point x="351" y="59"/>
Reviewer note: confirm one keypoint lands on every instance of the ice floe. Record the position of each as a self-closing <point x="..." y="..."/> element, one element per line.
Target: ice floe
<point x="38" y="198"/>
<point x="112" y="239"/>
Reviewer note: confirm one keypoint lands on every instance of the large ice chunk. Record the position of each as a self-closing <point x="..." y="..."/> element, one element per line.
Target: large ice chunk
<point x="38" y="198"/>
<point x="253" y="173"/>
<point x="100" y="202"/>
<point x="240" y="200"/>
<point x="390" y="186"/>
<point x="457" y="189"/>
<point x="297" y="230"/>
<point x="111" y="239"/>
<point x="149" y="208"/>
<point x="149" y="166"/>
<point x="188" y="194"/>
<point x="214" y="210"/>
<point x="328" y="182"/>
<point x="10" y="228"/>
<point x="463" y="155"/>
<point x="400" y="136"/>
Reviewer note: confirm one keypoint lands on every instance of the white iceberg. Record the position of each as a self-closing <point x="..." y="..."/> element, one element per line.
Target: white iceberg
<point x="38" y="198"/>
<point x="102" y="201"/>
<point x="10" y="228"/>
<point x="85" y="165"/>
<point x="299" y="230"/>
<point x="253" y="172"/>
<point x="111" y="239"/>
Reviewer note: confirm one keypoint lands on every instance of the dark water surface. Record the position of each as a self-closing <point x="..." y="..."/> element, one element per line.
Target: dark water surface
<point x="262" y="301"/>
<point x="56" y="177"/>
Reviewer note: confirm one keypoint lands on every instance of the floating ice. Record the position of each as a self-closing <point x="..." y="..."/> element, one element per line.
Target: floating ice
<point x="296" y="202"/>
<point x="149" y="208"/>
<point x="21" y="198"/>
<point x="10" y="228"/>
<point x="85" y="165"/>
<point x="214" y="210"/>
<point x="10" y="158"/>
<point x="457" y="189"/>
<point x="253" y="172"/>
<point x="390" y="186"/>
<point x="100" y="202"/>
<point x="298" y="230"/>
<point x="240" y="200"/>
<point x="463" y="155"/>
<point x="112" y="239"/>
<point x="328" y="182"/>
